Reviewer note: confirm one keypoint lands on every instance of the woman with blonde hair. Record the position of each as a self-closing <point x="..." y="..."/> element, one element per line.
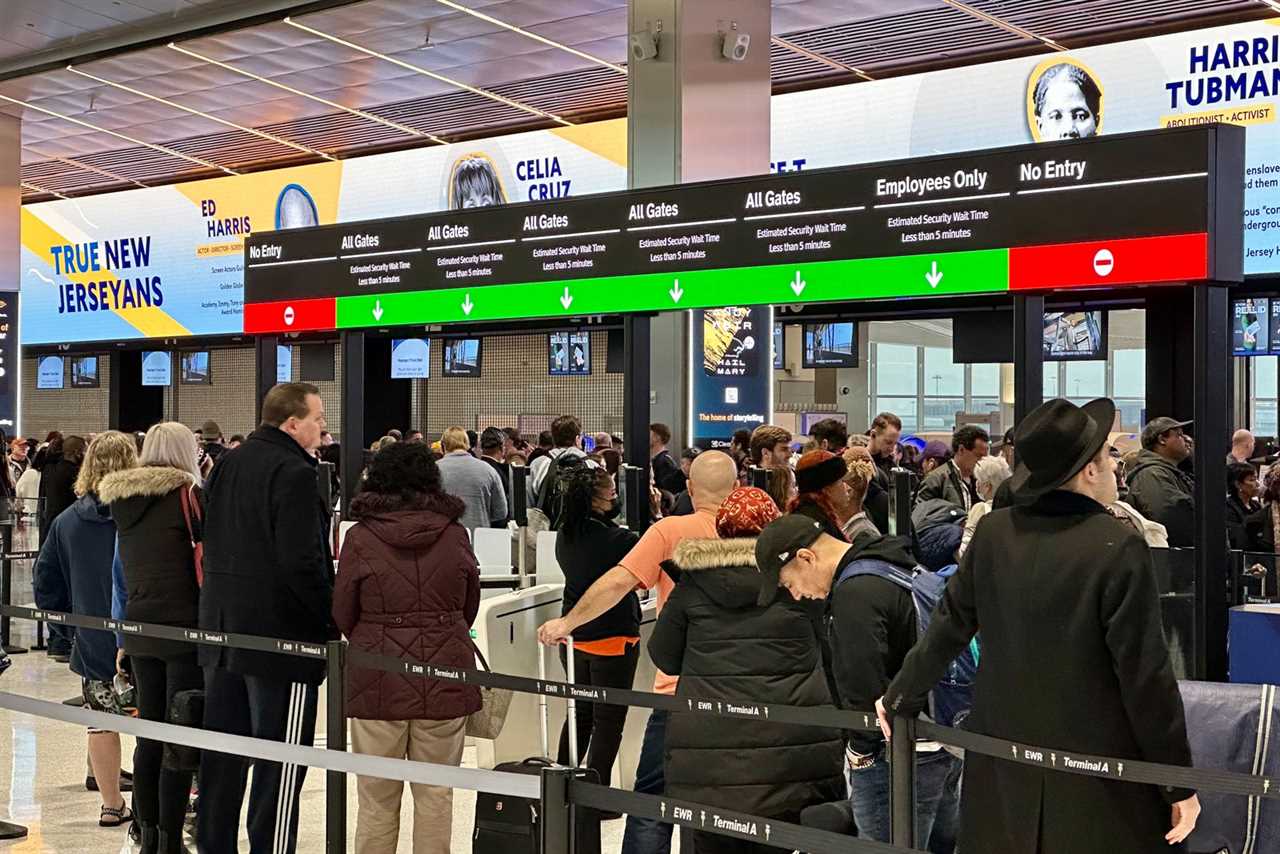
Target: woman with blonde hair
<point x="156" y="510"/>
<point x="73" y="573"/>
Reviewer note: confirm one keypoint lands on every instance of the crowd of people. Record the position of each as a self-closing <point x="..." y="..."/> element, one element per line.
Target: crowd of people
<point x="776" y="577"/>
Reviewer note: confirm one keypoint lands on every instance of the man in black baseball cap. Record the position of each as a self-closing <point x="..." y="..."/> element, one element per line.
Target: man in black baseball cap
<point x="1073" y="656"/>
<point x="1159" y="488"/>
<point x="868" y="590"/>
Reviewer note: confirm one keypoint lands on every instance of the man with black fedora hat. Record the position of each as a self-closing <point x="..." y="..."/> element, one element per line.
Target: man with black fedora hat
<point x="1073" y="656"/>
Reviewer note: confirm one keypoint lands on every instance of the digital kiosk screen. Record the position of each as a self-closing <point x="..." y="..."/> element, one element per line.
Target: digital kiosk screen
<point x="84" y="372"/>
<point x="195" y="368"/>
<point x="1251" y="327"/>
<point x="156" y="368"/>
<point x="568" y="353"/>
<point x="830" y="345"/>
<point x="1074" y="336"/>
<point x="49" y="372"/>
<point x="410" y="358"/>
<point x="462" y="357"/>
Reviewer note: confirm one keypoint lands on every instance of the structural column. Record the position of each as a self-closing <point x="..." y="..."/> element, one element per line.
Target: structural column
<point x="264" y="368"/>
<point x="1212" y="385"/>
<point x="1028" y="355"/>
<point x="693" y="115"/>
<point x="352" y="437"/>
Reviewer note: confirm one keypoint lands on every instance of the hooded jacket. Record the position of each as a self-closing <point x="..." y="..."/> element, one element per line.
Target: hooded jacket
<point x="57" y="479"/>
<point x="1163" y="493"/>
<point x="722" y="645"/>
<point x="155" y="553"/>
<point x="73" y="573"/>
<point x="872" y="626"/>
<point x="409" y="587"/>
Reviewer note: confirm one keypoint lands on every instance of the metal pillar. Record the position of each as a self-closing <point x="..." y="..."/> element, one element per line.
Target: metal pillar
<point x="1028" y="355"/>
<point x="636" y="355"/>
<point x="557" y="817"/>
<point x="352" y="436"/>
<point x="1212" y="387"/>
<point x="264" y="368"/>
<point x="335" y="783"/>
<point x="902" y="783"/>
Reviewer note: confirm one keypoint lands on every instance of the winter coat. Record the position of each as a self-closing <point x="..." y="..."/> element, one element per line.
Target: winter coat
<point x="722" y="645"/>
<point x="408" y="587"/>
<point x="267" y="567"/>
<point x="57" y="482"/>
<point x="585" y="556"/>
<point x="945" y="482"/>
<point x="73" y="573"/>
<point x="155" y="553"/>
<point x="1238" y="514"/>
<point x="1067" y="581"/>
<point x="1164" y="493"/>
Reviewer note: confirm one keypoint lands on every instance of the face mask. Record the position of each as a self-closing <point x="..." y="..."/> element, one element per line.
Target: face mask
<point x="616" y="507"/>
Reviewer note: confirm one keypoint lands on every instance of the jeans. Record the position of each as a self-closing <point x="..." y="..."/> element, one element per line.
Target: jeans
<point x="937" y="800"/>
<point x="599" y="724"/>
<point x="160" y="794"/>
<point x="644" y="835"/>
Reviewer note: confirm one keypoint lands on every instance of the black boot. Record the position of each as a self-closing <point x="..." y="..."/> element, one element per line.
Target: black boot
<point x="171" y="843"/>
<point x="149" y="838"/>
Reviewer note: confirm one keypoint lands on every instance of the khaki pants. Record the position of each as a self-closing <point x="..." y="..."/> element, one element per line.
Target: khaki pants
<point x="378" y="822"/>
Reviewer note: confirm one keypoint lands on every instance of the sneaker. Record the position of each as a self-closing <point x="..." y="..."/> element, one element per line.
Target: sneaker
<point x="126" y="782"/>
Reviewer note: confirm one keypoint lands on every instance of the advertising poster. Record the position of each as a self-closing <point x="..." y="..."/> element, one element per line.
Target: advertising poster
<point x="156" y="367"/>
<point x="1222" y="74"/>
<point x="49" y="372"/>
<point x="168" y="261"/>
<point x="284" y="363"/>
<point x="1250" y="327"/>
<point x="731" y="384"/>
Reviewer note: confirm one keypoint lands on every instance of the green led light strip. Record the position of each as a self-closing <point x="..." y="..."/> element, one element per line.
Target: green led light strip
<point x="943" y="273"/>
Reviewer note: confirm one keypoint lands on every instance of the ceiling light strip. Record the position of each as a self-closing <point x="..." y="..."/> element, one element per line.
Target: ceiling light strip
<point x="532" y="35"/>
<point x="475" y="90"/>
<point x="27" y="185"/>
<point x="224" y="122"/>
<point x="334" y="104"/>
<point x="1003" y="24"/>
<point x="76" y="164"/>
<point x="819" y="58"/>
<point x="153" y="146"/>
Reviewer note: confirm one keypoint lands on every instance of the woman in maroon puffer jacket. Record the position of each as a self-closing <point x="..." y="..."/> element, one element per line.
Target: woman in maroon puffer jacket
<point x="408" y="586"/>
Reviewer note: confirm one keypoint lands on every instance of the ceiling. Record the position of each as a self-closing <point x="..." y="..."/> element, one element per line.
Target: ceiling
<point x="275" y="92"/>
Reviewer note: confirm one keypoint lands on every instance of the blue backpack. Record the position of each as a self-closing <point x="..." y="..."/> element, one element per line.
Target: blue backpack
<point x="952" y="698"/>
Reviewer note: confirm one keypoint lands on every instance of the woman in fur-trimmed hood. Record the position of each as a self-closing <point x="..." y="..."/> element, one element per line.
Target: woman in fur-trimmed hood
<point x="723" y="646"/>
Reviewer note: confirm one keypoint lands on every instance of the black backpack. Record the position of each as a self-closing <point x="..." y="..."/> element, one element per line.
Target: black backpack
<point x="551" y="499"/>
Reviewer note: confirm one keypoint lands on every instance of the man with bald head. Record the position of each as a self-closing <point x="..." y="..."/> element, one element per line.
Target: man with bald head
<point x="712" y="476"/>
<point x="1242" y="443"/>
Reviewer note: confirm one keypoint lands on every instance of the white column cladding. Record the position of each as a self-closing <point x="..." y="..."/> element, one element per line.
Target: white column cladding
<point x="694" y="115"/>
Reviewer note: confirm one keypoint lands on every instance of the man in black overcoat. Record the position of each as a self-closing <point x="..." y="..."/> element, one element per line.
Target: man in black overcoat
<point x="1064" y="597"/>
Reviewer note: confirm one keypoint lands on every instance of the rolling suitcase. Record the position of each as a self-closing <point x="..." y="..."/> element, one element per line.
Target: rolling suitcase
<point x="510" y="825"/>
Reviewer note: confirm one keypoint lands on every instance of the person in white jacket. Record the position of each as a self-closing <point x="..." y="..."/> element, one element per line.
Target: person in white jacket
<point x="27" y="490"/>
<point x="989" y="473"/>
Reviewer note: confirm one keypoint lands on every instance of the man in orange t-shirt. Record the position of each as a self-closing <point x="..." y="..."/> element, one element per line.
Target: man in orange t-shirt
<point x="712" y="477"/>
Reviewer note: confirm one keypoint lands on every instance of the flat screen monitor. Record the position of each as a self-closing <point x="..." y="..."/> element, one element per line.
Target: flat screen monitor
<point x="982" y="337"/>
<point x="284" y="363"/>
<point x="194" y="368"/>
<point x="49" y="372"/>
<point x="830" y="345"/>
<point x="1251" y="326"/>
<point x="410" y="358"/>
<point x="156" y="367"/>
<point x="808" y="419"/>
<point x="615" y="353"/>
<point x="462" y="357"/>
<point x="1074" y="336"/>
<point x="779" y="343"/>
<point x="317" y="363"/>
<point x="84" y="371"/>
<point x="568" y="354"/>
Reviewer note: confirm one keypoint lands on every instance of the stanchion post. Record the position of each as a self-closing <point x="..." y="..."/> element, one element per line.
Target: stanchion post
<point x="335" y="789"/>
<point x="902" y="773"/>
<point x="557" y="818"/>
<point x="6" y="581"/>
<point x="900" y="503"/>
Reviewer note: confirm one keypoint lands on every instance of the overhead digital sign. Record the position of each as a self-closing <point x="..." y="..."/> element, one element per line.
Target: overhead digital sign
<point x="731" y="385"/>
<point x="1103" y="212"/>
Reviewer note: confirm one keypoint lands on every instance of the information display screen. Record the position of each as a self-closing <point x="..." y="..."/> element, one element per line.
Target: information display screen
<point x="157" y="368"/>
<point x="568" y="353"/>
<point x="1044" y="217"/>
<point x="410" y="359"/>
<point x="195" y="368"/>
<point x="1251" y="327"/>
<point x="830" y="345"/>
<point x="49" y="372"/>
<point x="462" y="357"/>
<point x="284" y="363"/>
<point x="1074" y="336"/>
<point x="84" y="372"/>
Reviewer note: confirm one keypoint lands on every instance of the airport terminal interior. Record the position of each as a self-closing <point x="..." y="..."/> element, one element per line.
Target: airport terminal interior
<point x="778" y="389"/>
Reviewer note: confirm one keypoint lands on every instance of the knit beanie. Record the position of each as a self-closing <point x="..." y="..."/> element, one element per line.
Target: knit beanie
<point x="819" y="469"/>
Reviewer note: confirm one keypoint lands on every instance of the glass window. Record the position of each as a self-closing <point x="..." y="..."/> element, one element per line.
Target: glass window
<point x="940" y="413"/>
<point x="985" y="380"/>
<point x="895" y="368"/>
<point x="1129" y="373"/>
<point x="1264" y="418"/>
<point x="904" y="408"/>
<point x="985" y="404"/>
<point x="1086" y="380"/>
<point x="941" y="375"/>
<point x="1051" y="380"/>
<point x="1130" y="414"/>
<point x="1264" y="376"/>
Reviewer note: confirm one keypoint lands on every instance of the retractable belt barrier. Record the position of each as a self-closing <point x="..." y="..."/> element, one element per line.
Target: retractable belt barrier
<point x="581" y="793"/>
